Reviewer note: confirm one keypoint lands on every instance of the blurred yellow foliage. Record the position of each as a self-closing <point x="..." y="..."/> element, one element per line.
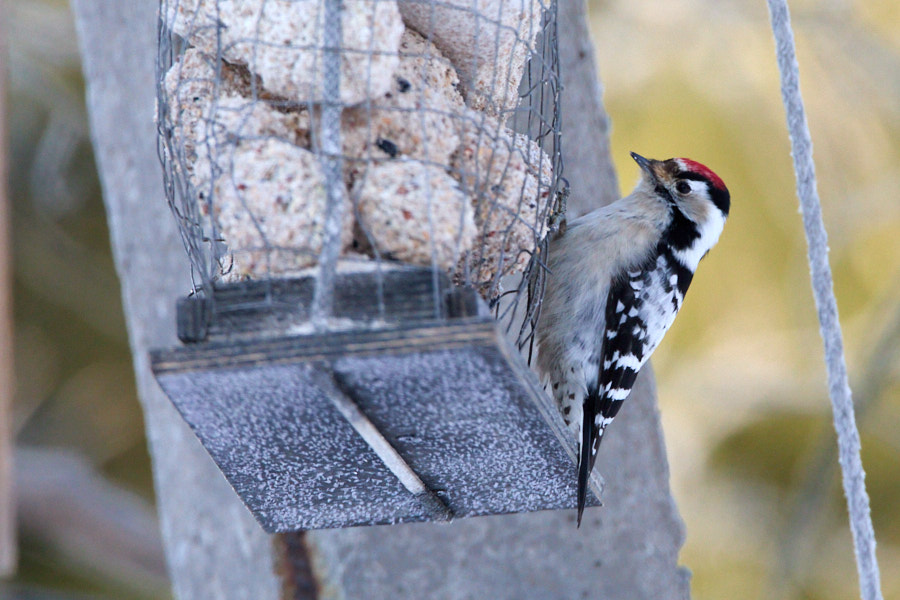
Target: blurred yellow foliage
<point x="741" y="379"/>
<point x="741" y="375"/>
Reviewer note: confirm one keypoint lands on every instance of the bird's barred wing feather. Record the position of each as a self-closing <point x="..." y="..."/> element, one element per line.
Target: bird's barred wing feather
<point x="640" y="308"/>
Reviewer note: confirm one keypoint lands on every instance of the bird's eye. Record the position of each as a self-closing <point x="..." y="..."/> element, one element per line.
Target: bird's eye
<point x="683" y="187"/>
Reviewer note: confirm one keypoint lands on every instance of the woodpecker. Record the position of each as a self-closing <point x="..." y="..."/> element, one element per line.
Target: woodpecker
<point x="617" y="278"/>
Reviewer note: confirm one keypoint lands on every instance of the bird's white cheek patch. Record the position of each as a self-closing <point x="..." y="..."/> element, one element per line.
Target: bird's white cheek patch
<point x="709" y="235"/>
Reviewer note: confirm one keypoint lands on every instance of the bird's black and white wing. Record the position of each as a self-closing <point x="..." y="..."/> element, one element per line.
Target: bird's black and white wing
<point x="640" y="308"/>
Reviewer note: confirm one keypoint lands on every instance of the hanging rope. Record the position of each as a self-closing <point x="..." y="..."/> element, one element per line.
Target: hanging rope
<point x="823" y="290"/>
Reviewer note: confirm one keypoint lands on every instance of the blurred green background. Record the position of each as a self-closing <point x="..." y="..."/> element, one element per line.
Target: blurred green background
<point x="741" y="379"/>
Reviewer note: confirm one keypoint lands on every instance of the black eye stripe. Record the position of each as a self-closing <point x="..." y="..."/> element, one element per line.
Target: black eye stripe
<point x="720" y="197"/>
<point x="691" y="176"/>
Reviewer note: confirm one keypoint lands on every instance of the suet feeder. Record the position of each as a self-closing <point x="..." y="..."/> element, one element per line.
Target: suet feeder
<point x="356" y="183"/>
<point x="414" y="418"/>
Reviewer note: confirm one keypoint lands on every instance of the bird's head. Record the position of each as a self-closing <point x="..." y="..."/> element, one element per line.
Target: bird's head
<point x="685" y="184"/>
<point x="697" y="199"/>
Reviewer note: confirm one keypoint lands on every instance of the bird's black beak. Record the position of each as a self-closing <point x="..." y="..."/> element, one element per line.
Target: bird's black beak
<point x="642" y="162"/>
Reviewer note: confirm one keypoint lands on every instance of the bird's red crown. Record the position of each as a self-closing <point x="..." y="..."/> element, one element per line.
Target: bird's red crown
<point x="701" y="169"/>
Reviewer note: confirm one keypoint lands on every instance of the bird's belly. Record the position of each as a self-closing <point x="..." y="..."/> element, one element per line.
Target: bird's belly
<point x="572" y="376"/>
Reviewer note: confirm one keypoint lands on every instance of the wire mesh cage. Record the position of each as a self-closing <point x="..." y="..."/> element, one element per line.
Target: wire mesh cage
<point x="349" y="176"/>
<point x="297" y="135"/>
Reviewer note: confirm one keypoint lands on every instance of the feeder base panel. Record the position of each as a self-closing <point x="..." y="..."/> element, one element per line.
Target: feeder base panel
<point x="418" y="421"/>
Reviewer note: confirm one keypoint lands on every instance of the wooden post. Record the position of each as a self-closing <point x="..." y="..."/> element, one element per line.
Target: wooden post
<point x="586" y="153"/>
<point x="626" y="549"/>
<point x="214" y="548"/>
<point x="7" y="386"/>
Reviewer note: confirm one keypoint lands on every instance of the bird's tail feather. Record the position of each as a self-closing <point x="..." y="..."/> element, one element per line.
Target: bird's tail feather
<point x="584" y="459"/>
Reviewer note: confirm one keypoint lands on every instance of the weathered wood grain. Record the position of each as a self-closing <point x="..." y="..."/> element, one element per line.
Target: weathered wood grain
<point x="8" y="549"/>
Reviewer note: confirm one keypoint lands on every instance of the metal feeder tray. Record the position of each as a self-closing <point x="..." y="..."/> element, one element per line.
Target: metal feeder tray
<point x="408" y="414"/>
